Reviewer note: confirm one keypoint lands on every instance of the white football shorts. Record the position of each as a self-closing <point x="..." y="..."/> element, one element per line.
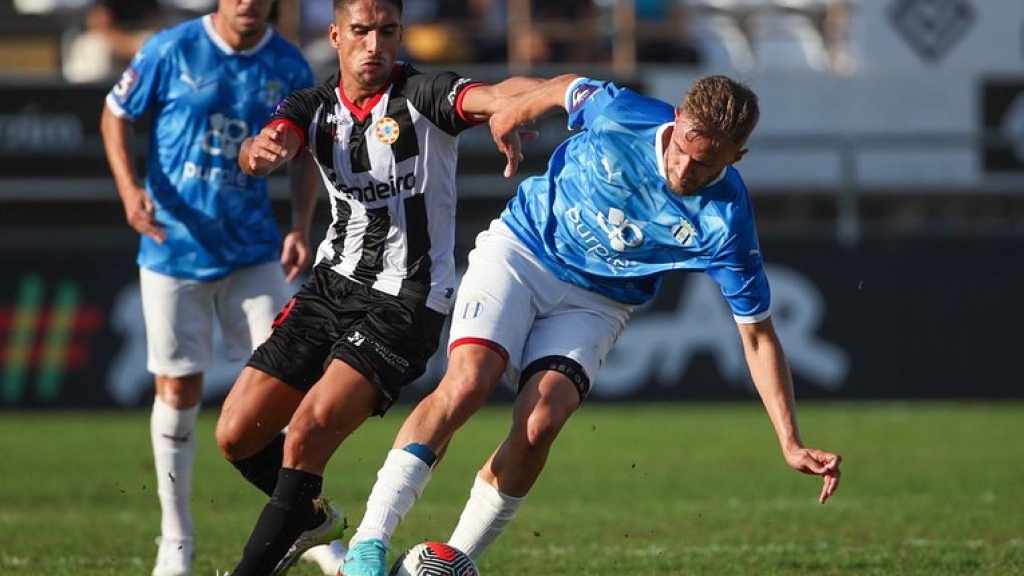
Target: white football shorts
<point x="180" y="316"/>
<point x="510" y="298"/>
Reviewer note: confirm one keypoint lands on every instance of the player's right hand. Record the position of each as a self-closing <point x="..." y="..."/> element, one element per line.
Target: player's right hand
<point x="141" y="215"/>
<point x="267" y="150"/>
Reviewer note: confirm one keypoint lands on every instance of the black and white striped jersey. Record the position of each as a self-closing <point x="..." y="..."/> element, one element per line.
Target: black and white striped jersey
<point x="390" y="170"/>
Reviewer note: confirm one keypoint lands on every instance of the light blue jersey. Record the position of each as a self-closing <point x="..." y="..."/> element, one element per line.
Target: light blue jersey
<point x="603" y="218"/>
<point x="205" y="98"/>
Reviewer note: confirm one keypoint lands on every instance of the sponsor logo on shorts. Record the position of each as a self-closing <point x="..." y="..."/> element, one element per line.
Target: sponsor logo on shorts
<point x="392" y="359"/>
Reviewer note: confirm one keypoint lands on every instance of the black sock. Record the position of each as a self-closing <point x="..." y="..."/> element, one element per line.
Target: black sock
<point x="290" y="512"/>
<point x="261" y="469"/>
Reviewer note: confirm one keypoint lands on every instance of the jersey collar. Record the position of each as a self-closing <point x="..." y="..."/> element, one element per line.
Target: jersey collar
<point x="361" y="113"/>
<point x="225" y="47"/>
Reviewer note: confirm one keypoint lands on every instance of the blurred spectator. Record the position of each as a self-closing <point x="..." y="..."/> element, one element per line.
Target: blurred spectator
<point x="114" y="32"/>
<point x="48" y="6"/>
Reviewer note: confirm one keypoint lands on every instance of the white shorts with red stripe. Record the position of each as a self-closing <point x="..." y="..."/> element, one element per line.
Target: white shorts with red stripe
<point x="509" y="298"/>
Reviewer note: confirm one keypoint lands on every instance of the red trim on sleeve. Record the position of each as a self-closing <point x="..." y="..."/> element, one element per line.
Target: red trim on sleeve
<point x="294" y="128"/>
<point x="481" y="342"/>
<point x="458" y="109"/>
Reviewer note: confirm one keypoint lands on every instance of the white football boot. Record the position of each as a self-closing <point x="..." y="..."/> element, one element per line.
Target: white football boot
<point x="327" y="556"/>
<point x="332" y="528"/>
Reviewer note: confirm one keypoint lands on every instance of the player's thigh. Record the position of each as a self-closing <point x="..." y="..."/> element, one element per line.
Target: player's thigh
<point x="495" y="302"/>
<point x="178" y="315"/>
<point x="390" y="341"/>
<point x="305" y="331"/>
<point x="247" y="302"/>
<point x="583" y="330"/>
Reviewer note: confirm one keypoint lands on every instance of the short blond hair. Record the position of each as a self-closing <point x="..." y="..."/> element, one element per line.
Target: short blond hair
<point x="721" y="107"/>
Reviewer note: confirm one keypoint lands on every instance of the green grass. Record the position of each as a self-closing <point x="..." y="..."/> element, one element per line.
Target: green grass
<point x="928" y="490"/>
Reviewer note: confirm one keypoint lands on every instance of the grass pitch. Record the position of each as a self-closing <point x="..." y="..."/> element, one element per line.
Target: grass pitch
<point x="928" y="490"/>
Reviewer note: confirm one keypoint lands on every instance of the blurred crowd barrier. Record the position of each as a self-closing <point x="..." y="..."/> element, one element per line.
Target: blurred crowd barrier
<point x="90" y="40"/>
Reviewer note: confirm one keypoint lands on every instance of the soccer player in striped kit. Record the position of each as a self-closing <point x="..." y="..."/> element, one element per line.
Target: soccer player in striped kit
<point x="385" y="138"/>
<point x="642" y="190"/>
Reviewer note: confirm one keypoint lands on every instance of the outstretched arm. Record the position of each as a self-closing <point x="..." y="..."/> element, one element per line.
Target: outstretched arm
<point x="774" y="383"/>
<point x="512" y="104"/>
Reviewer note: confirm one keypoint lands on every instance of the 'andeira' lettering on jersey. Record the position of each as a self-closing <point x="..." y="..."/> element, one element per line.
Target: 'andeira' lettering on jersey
<point x="381" y="190"/>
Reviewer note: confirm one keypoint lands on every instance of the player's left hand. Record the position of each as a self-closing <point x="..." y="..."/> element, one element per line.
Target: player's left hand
<point x="295" y="255"/>
<point x="820" y="463"/>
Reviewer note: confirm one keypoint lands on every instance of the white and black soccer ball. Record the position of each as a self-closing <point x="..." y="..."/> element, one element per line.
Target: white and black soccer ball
<point x="434" y="559"/>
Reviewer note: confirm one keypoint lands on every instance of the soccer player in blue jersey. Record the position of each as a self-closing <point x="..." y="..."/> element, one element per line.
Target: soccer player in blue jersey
<point x="211" y="250"/>
<point x="642" y="190"/>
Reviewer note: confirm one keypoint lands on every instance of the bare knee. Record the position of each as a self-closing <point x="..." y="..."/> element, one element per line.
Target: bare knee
<point x="544" y="424"/>
<point x="231" y="439"/>
<point x="180" y="392"/>
<point x="462" y="394"/>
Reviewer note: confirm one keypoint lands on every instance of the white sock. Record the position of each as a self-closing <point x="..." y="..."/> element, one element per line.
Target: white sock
<point x="174" y="454"/>
<point x="400" y="481"/>
<point x="485" y="517"/>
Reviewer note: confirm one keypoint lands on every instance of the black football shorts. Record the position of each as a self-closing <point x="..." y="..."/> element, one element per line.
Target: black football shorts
<point x="386" y="338"/>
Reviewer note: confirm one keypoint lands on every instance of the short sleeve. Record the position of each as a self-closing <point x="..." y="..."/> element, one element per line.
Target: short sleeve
<point x="439" y="98"/>
<point x="137" y="89"/>
<point x="585" y="99"/>
<point x="298" y="109"/>
<point x="739" y="272"/>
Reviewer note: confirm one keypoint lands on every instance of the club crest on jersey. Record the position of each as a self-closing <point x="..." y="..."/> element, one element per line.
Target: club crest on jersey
<point x="272" y="93"/>
<point x="684" y="232"/>
<point x="386" y="130"/>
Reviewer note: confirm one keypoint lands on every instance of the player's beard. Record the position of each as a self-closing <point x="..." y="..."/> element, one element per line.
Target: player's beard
<point x="678" y="188"/>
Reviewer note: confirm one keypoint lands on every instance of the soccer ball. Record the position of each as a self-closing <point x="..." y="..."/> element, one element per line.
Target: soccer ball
<point x="434" y="559"/>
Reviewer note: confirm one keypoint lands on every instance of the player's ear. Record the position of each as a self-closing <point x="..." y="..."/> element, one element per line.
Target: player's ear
<point x="739" y="156"/>
<point x="332" y="35"/>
